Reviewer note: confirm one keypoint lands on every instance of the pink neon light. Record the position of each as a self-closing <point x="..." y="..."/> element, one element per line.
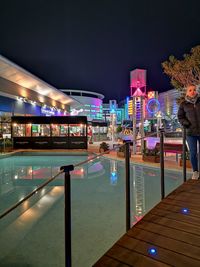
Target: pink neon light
<point x="138" y="92"/>
<point x="138" y="78"/>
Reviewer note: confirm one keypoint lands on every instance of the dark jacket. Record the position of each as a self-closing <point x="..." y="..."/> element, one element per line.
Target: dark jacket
<point x="189" y="116"/>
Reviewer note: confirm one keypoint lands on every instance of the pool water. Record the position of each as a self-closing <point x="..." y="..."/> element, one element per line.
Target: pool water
<point x="97" y="200"/>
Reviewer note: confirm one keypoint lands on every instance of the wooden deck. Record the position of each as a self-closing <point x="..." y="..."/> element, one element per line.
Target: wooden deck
<point x="174" y="234"/>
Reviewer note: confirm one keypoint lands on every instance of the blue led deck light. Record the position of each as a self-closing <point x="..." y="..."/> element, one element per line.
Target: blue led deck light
<point x="185" y="210"/>
<point x="152" y="251"/>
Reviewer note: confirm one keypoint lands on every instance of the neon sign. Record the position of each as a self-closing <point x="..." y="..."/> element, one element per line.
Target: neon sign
<point x="153" y="105"/>
<point x="47" y="112"/>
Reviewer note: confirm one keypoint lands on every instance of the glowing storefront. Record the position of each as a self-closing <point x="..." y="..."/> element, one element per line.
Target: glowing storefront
<point x="65" y="132"/>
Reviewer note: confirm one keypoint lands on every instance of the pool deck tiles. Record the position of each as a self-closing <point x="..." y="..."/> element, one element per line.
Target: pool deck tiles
<point x="172" y="228"/>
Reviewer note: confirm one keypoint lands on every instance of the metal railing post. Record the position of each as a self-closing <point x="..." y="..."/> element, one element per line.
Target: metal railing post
<point x="162" y="177"/>
<point x="4" y="146"/>
<point x="67" y="214"/>
<point x="184" y="155"/>
<point x="199" y="156"/>
<point x="128" y="198"/>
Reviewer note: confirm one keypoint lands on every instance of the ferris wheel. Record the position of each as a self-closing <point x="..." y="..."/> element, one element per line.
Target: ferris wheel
<point x="153" y="106"/>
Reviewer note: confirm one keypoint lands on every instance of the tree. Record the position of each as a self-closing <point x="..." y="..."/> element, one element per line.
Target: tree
<point x="184" y="72"/>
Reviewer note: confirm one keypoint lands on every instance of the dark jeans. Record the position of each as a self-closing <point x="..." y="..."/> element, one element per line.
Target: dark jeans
<point x="192" y="143"/>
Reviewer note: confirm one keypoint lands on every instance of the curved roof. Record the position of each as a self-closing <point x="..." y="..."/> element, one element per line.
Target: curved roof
<point x="18" y="75"/>
<point x="82" y="92"/>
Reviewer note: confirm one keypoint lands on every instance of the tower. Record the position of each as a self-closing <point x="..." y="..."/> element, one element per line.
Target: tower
<point x="138" y="94"/>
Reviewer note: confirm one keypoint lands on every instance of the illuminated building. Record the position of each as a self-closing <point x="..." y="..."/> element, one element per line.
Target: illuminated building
<point x="89" y="104"/>
<point x="169" y="108"/>
<point x="22" y="93"/>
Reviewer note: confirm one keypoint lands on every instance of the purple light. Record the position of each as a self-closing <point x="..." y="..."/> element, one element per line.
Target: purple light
<point x="185" y="210"/>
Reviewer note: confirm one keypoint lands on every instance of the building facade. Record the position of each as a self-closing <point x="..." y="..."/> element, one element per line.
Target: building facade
<point x="22" y="93"/>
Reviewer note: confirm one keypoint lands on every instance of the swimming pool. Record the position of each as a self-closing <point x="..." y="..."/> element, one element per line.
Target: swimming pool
<point x="98" y="207"/>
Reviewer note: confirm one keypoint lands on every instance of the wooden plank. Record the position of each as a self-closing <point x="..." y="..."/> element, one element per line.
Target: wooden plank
<point x="163" y="255"/>
<point x="178" y="225"/>
<point x="179" y="234"/>
<point x="170" y="243"/>
<point x="178" y="209"/>
<point x="190" y="197"/>
<point x="180" y="203"/>
<point x="134" y="258"/>
<point x="176" y="216"/>
<point x="175" y="235"/>
<point x="107" y="261"/>
<point x="187" y="187"/>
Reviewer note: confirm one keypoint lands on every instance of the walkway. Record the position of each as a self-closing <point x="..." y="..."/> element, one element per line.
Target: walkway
<point x="169" y="235"/>
<point x="169" y="159"/>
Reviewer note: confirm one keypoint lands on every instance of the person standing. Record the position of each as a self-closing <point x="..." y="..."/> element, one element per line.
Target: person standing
<point x="189" y="118"/>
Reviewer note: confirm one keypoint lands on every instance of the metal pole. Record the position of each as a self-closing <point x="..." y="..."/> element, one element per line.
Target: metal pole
<point x="4" y="145"/>
<point x="199" y="156"/>
<point x="184" y="155"/>
<point x="142" y="123"/>
<point x="134" y="126"/>
<point x="67" y="214"/>
<point x="162" y="163"/>
<point x="128" y="198"/>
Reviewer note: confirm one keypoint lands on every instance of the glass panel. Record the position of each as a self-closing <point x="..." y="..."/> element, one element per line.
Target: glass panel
<point x="98" y="207"/>
<point x="28" y="129"/>
<point x="19" y="130"/>
<point x="59" y="129"/>
<point x="5" y="128"/>
<point x="77" y="130"/>
<point x="40" y="130"/>
<point x="27" y="234"/>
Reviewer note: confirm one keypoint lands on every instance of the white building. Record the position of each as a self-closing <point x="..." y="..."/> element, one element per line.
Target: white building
<point x="90" y="104"/>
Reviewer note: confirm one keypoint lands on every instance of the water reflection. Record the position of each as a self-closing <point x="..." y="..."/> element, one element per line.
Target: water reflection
<point x="113" y="172"/>
<point x="28" y="172"/>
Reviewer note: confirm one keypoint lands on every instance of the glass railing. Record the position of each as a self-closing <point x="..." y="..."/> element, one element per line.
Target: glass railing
<point x="74" y="222"/>
<point x="6" y="145"/>
<point x="33" y="233"/>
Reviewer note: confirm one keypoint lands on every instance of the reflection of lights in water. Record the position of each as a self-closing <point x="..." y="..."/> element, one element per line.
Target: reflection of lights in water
<point x="137" y="218"/>
<point x="43" y="191"/>
<point x="25" y="204"/>
<point x="95" y="167"/>
<point x="113" y="178"/>
<point x="78" y="173"/>
<point x="113" y="172"/>
<point x="152" y="174"/>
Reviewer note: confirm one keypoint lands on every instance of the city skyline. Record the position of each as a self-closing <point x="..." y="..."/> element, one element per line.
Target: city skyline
<point x="94" y="46"/>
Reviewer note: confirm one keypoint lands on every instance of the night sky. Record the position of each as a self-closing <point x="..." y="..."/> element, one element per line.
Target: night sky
<point x="93" y="45"/>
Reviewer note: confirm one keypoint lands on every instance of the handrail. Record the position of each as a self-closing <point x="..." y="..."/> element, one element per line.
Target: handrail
<point x="29" y="195"/>
<point x="113" y="149"/>
<point x="52" y="178"/>
<point x="67" y="190"/>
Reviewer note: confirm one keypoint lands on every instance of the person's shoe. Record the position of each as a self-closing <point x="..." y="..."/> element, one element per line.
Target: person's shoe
<point x="195" y="175"/>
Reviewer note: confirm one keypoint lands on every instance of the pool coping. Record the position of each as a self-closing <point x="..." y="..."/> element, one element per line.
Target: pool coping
<point x="42" y="153"/>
